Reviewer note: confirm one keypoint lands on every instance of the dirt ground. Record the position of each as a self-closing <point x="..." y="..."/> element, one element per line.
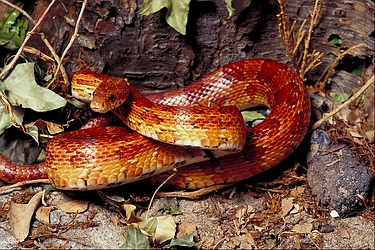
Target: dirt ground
<point x="243" y="216"/>
<point x="275" y="210"/>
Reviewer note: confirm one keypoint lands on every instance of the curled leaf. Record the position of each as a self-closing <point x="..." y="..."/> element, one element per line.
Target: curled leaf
<point x="22" y="90"/>
<point x="177" y="14"/>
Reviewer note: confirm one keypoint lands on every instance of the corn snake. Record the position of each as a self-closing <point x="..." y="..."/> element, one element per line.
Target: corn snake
<point x="108" y="156"/>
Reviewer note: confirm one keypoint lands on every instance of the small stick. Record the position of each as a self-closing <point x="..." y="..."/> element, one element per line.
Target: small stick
<point x="8" y="188"/>
<point x="346" y="103"/>
<point x="70" y="42"/>
<point x="162" y="184"/>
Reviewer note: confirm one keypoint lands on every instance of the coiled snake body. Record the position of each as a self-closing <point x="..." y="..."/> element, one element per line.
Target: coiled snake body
<point x="108" y="156"/>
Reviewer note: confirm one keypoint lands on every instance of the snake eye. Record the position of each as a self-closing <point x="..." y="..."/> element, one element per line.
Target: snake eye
<point x="112" y="97"/>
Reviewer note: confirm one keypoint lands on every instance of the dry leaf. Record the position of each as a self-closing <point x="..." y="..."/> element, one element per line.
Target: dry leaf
<point x="186" y="227"/>
<point x="240" y="241"/>
<point x="234" y="241"/>
<point x="339" y="153"/>
<point x="20" y="216"/>
<point x="129" y="210"/>
<point x="115" y="219"/>
<point x="53" y="128"/>
<point x="258" y="216"/>
<point x="297" y="191"/>
<point x="42" y="214"/>
<point x="295" y="209"/>
<point x="354" y="132"/>
<point x="240" y="215"/>
<point x="260" y="229"/>
<point x="249" y="237"/>
<point x="370" y="135"/>
<point x="302" y="228"/>
<point x="343" y="232"/>
<point x="286" y="205"/>
<point x="130" y="216"/>
<point x="165" y="230"/>
<point x="74" y="206"/>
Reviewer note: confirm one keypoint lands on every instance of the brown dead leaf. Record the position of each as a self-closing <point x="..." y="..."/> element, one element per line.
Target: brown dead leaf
<point x="258" y="216"/>
<point x="339" y="153"/>
<point x="52" y="128"/>
<point x="296" y="209"/>
<point x="302" y="228"/>
<point x="249" y="237"/>
<point x="369" y="135"/>
<point x="130" y="216"/>
<point x="297" y="191"/>
<point x="239" y="241"/>
<point x="115" y="219"/>
<point x="20" y="216"/>
<point x="74" y="206"/>
<point x="286" y="205"/>
<point x="186" y="227"/>
<point x="343" y="232"/>
<point x="42" y="214"/>
<point x="234" y="241"/>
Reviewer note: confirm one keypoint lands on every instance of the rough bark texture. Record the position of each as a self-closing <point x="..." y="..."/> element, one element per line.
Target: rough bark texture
<point x="119" y="42"/>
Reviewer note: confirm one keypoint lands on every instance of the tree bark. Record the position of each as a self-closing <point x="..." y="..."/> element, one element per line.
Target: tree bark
<point x="146" y="50"/>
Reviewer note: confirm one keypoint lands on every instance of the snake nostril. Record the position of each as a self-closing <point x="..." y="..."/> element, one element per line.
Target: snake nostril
<point x="112" y="97"/>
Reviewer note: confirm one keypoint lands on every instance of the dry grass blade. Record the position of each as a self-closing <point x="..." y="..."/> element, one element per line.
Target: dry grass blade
<point x="327" y="73"/>
<point x="305" y="61"/>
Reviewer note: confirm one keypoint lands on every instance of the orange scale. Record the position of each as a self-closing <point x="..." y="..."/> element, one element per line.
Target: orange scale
<point x="130" y="174"/>
<point x="92" y="182"/>
<point x="102" y="180"/>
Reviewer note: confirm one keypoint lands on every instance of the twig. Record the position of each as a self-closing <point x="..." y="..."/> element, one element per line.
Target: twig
<point x="6" y="189"/>
<point x="193" y="194"/>
<point x="293" y="41"/>
<point x="264" y="189"/>
<point x="46" y="42"/>
<point x="20" y="10"/>
<point x="70" y="42"/>
<point x="314" y="18"/>
<point x="28" y="35"/>
<point x="38" y="53"/>
<point x="15" y="58"/>
<point x="327" y="73"/>
<point x="346" y="103"/>
<point x="285" y="32"/>
<point x="162" y="184"/>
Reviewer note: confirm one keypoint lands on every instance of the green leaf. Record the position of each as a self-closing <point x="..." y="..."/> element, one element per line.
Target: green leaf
<point x="357" y="71"/>
<point x="335" y="41"/>
<point x="150" y="226"/>
<point x="165" y="230"/>
<point x="135" y="240"/>
<point x="235" y="7"/>
<point x="177" y="14"/>
<point x="22" y="90"/>
<point x="169" y="206"/>
<point x="339" y="97"/>
<point x="184" y="241"/>
<point x="5" y="121"/>
<point x="12" y="27"/>
<point x="249" y="116"/>
<point x="33" y="132"/>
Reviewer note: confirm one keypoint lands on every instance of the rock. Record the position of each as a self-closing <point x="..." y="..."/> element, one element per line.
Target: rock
<point x="336" y="178"/>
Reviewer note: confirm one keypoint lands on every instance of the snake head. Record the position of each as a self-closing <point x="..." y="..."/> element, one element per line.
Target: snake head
<point x="109" y="94"/>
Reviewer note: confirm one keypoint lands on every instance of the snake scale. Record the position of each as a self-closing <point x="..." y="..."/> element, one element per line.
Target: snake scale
<point x="108" y="156"/>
